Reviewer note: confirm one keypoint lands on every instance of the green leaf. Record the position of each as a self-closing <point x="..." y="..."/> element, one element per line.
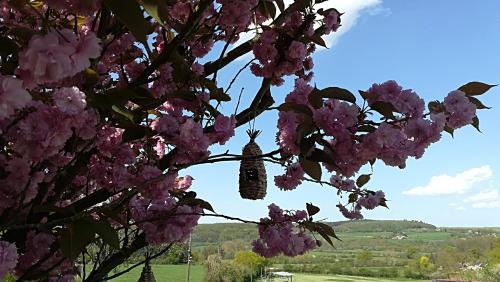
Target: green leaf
<point x="134" y="133"/>
<point x="366" y="128"/>
<point x="353" y="198"/>
<point x="280" y="4"/>
<point x="307" y="145"/>
<point x="124" y="112"/>
<point x="475" y="123"/>
<point x="75" y="237"/>
<point x="325" y="236"/>
<point x="313" y="169"/>
<point x="194" y="202"/>
<point x="315" y="99"/>
<point x="327" y="229"/>
<point x="183" y="94"/>
<point x="337" y="93"/>
<point x="305" y="128"/>
<point x="294" y="107"/>
<point x="153" y="9"/>
<point x="7" y="46"/>
<point x="267" y="9"/>
<point x="479" y="105"/>
<point x="299" y="5"/>
<point x="367" y="95"/>
<point x="449" y="130"/>
<point x="219" y="95"/>
<point x="475" y="88"/>
<point x="436" y="107"/>
<point x="316" y="38"/>
<point x="130" y="14"/>
<point x="311" y="209"/>
<point x="108" y="234"/>
<point x="318" y="155"/>
<point x="362" y="180"/>
<point x="384" y="108"/>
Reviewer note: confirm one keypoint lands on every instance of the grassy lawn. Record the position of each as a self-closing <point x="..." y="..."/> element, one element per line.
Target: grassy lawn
<point x="302" y="277"/>
<point x="165" y="273"/>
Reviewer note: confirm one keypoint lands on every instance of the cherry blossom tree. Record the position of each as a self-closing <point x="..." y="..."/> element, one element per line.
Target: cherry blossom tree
<point x="104" y="104"/>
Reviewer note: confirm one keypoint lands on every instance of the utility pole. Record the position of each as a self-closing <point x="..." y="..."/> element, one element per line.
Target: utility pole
<point x="189" y="259"/>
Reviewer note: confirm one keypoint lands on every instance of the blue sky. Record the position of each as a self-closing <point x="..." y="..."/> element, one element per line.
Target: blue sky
<point x="429" y="46"/>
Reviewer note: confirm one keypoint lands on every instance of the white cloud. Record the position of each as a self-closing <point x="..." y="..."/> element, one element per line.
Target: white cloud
<point x="484" y="199"/>
<point x="451" y="185"/>
<point x="458" y="207"/>
<point x="352" y="10"/>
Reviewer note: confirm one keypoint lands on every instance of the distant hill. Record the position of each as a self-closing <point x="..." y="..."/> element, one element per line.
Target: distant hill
<point x="206" y="234"/>
<point x="380" y="225"/>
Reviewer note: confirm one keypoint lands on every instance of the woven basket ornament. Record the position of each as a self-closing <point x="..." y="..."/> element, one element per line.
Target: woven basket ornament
<point x="147" y="274"/>
<point x="253" y="178"/>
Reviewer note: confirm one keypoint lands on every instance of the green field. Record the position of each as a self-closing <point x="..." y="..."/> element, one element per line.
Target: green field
<point x="300" y="277"/>
<point x="165" y="273"/>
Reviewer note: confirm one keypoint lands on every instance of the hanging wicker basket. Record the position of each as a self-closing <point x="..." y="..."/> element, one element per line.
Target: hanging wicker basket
<point x="147" y="274"/>
<point x="253" y="178"/>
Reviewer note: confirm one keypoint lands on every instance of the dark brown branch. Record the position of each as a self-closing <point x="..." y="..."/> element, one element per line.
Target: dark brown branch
<point x="169" y="49"/>
<point x="140" y="263"/>
<point x="229" y="158"/>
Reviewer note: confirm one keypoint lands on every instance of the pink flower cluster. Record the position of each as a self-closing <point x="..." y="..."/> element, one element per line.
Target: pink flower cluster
<point x="163" y="220"/>
<point x="236" y="15"/>
<point x="291" y="179"/>
<point x="224" y="129"/>
<point x="12" y="96"/>
<point x="57" y="55"/>
<point x="38" y="247"/>
<point x="274" y="64"/>
<point x="331" y="21"/>
<point x="8" y="257"/>
<point x="278" y="234"/>
<point x="405" y="101"/>
<point x="342" y="183"/>
<point x="76" y="6"/>
<point x="369" y="200"/>
<point x="165" y="83"/>
<point x="459" y="110"/>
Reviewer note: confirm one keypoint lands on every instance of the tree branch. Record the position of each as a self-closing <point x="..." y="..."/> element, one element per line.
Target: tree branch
<point x="117" y="259"/>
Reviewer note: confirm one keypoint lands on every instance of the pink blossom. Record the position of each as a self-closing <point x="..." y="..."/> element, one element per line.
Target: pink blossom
<point x="180" y="11"/>
<point x="70" y="100"/>
<point x="87" y="47"/>
<point x="342" y="184"/>
<point x="297" y="50"/>
<point x="12" y="96"/>
<point x="224" y="128"/>
<point x="291" y="179"/>
<point x="168" y="229"/>
<point x="371" y="201"/>
<point x="350" y="214"/>
<point x="388" y="91"/>
<point x="8" y="257"/>
<point x="165" y="83"/>
<point x="198" y="69"/>
<point x="277" y="234"/>
<point x="56" y="55"/>
<point x="460" y="110"/>
<point x="183" y="183"/>
<point x="332" y="21"/>
<point x="167" y="125"/>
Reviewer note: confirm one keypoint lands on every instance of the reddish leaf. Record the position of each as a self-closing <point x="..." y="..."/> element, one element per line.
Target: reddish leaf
<point x="311" y="209"/>
<point x="475" y="88"/>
